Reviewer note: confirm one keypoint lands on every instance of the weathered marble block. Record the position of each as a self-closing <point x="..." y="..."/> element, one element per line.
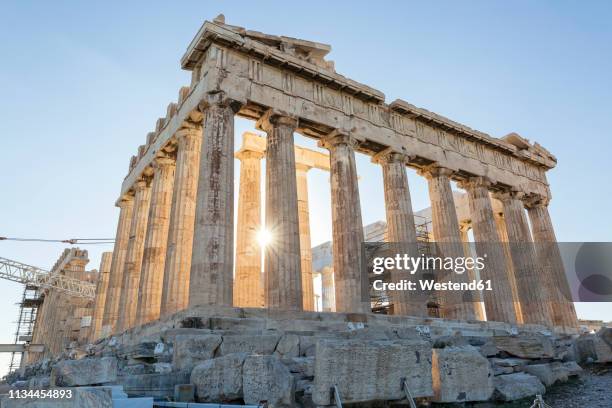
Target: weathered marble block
<point x="87" y="371"/>
<point x="461" y="374"/>
<point x="368" y="370"/>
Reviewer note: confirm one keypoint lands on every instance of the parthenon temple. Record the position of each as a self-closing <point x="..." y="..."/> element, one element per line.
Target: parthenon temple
<point x="179" y="246"/>
<point x="175" y="236"/>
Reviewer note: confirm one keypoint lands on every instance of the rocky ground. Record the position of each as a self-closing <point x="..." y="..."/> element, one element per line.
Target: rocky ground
<point x="592" y="390"/>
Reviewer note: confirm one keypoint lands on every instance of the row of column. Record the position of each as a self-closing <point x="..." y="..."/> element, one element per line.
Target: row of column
<point x="150" y="265"/>
<point x="176" y="233"/>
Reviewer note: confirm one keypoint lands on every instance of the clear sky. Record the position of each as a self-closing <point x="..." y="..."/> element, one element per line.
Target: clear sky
<point x="83" y="83"/>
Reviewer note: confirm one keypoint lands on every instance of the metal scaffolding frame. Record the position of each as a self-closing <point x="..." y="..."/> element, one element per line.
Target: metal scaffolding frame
<point x="28" y="309"/>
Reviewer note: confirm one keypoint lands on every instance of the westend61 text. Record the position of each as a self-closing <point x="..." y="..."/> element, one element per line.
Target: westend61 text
<point x="430" y="284"/>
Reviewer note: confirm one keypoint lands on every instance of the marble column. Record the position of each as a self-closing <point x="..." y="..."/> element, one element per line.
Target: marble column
<point x="115" y="278"/>
<point x="101" y="294"/>
<point x="175" y="294"/>
<point x="328" y="293"/>
<point x="499" y="304"/>
<point x="248" y="282"/>
<point x="400" y="228"/>
<point x="352" y="294"/>
<point x="454" y="304"/>
<point x="531" y="287"/>
<point x="472" y="273"/>
<point x="500" y="222"/>
<point x="133" y="258"/>
<point x="305" y="243"/>
<point x="212" y="264"/>
<point x="154" y="253"/>
<point x="562" y="308"/>
<point x="282" y="264"/>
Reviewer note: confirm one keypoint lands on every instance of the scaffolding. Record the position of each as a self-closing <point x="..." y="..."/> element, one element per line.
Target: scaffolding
<point x="380" y="301"/>
<point x="28" y="309"/>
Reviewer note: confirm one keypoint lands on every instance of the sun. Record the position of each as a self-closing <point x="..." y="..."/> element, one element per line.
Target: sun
<point x="264" y="237"/>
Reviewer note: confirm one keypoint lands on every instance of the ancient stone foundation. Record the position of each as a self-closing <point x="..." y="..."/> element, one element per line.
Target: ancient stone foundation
<point x="294" y="359"/>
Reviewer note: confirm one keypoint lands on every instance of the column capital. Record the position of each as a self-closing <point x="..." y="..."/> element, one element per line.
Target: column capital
<point x="473" y="182"/>
<point x="191" y="130"/>
<point x="125" y="199"/>
<point x="509" y="194"/>
<point x="434" y="170"/>
<point x="248" y="154"/>
<point x="390" y="156"/>
<point x="535" y="201"/>
<point x="274" y="118"/>
<point x="163" y="161"/>
<point x="219" y="99"/>
<point x="141" y="185"/>
<point x="338" y="137"/>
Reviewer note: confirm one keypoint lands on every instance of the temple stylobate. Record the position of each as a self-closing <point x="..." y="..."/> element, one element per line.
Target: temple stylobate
<point x="175" y="237"/>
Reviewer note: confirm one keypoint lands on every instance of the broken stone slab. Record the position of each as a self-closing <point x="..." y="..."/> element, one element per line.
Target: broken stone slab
<point x="460" y="374"/>
<point x="264" y="344"/>
<point x="288" y="346"/>
<point x="266" y="380"/>
<point x="302" y="366"/>
<point x="190" y="349"/>
<point x="509" y="362"/>
<point x="219" y="379"/>
<point x="526" y="345"/>
<point x="87" y="371"/>
<point x="548" y="373"/>
<point x="82" y="398"/>
<point x="593" y="347"/>
<point x="368" y="370"/>
<point x="511" y="387"/>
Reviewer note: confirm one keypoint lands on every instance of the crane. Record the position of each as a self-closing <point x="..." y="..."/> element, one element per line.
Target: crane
<point x="34" y="279"/>
<point x="40" y="278"/>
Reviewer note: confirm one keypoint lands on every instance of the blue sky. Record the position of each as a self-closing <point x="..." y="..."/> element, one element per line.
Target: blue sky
<point x="83" y="83"/>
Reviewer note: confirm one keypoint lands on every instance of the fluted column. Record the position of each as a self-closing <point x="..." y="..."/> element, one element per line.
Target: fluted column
<point x="212" y="264"/>
<point x="133" y="257"/>
<point x="328" y="294"/>
<point x="500" y="222"/>
<point x="248" y="282"/>
<point x="282" y="265"/>
<point x="347" y="228"/>
<point x="531" y="287"/>
<point x="472" y="273"/>
<point x="101" y="295"/>
<point x="175" y="294"/>
<point x="154" y="253"/>
<point x="549" y="256"/>
<point x="446" y="233"/>
<point x="305" y="243"/>
<point x="499" y="304"/>
<point x="115" y="278"/>
<point x="400" y="228"/>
